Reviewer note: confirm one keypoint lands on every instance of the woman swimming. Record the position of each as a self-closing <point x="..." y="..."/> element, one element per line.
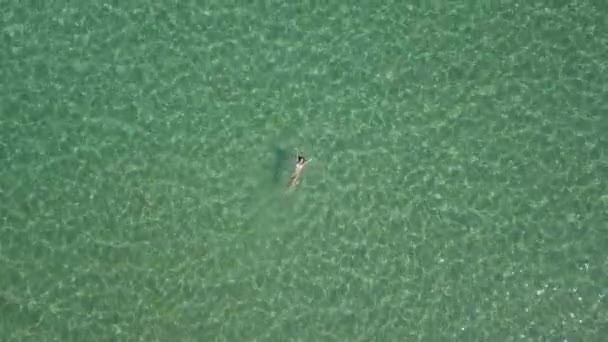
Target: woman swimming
<point x="300" y="162"/>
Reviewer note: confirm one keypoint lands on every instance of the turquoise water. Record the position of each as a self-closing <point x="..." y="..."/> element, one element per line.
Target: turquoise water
<point x="457" y="190"/>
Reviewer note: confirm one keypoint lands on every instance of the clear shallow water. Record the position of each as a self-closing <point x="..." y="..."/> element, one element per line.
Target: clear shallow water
<point x="457" y="191"/>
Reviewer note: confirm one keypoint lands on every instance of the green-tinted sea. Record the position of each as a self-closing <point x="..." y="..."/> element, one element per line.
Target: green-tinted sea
<point x="458" y="187"/>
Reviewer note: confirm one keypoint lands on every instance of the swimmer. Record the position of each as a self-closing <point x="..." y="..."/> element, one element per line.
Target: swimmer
<point x="300" y="162"/>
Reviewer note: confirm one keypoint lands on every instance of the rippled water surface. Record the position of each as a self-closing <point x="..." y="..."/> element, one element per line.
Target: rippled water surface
<point x="457" y="190"/>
